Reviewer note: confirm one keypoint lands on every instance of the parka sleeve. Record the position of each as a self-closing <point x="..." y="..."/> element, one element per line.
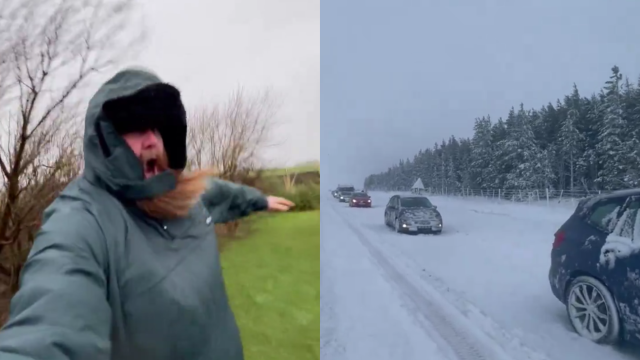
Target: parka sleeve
<point x="227" y="201"/>
<point x="61" y="311"/>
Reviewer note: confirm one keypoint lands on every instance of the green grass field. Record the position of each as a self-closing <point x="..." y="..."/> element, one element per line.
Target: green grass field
<point x="273" y="281"/>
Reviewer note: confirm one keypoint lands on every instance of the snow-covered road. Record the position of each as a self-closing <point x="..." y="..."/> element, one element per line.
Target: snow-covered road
<point x="477" y="291"/>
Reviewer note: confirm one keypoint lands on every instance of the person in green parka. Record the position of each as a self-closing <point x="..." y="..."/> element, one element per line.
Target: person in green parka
<point x="126" y="264"/>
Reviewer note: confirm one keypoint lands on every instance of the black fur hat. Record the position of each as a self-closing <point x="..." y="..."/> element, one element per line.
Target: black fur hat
<point x="157" y="106"/>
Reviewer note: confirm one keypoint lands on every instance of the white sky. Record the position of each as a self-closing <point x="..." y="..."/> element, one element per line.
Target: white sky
<point x="210" y="48"/>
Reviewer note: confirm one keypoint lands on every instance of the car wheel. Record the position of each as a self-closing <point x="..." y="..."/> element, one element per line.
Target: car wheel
<point x="593" y="311"/>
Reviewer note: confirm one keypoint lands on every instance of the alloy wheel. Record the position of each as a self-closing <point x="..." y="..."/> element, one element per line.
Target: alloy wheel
<point x="588" y="311"/>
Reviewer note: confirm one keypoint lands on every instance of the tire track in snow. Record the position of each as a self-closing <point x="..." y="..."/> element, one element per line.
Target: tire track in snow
<point x="371" y="318"/>
<point x="455" y="337"/>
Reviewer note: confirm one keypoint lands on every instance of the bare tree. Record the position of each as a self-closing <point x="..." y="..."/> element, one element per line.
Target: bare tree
<point x="230" y="136"/>
<point x="48" y="51"/>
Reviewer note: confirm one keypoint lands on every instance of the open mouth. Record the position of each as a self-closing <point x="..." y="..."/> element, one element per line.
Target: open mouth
<point x="150" y="168"/>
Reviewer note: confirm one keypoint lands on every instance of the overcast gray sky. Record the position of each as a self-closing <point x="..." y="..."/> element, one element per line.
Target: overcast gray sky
<point x="398" y="76"/>
<point x="209" y="48"/>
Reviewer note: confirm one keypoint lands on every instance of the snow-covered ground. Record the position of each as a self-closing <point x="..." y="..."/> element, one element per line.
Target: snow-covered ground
<point x="477" y="291"/>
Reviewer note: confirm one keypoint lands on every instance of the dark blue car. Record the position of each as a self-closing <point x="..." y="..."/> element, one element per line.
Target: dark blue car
<point x="595" y="267"/>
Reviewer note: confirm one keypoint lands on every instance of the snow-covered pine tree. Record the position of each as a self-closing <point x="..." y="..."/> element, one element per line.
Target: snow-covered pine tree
<point x="634" y="111"/>
<point x="415" y="166"/>
<point x="464" y="163"/>
<point x="437" y="167"/>
<point x="481" y="167"/>
<point x="453" y="151"/>
<point x="428" y="166"/>
<point x="570" y="140"/>
<point x="523" y="156"/>
<point x="507" y="151"/>
<point x="629" y="95"/>
<point x="613" y="141"/>
<point x="498" y="136"/>
<point x="593" y="122"/>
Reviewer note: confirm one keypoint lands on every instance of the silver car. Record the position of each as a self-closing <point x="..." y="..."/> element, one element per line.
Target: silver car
<point x="345" y="196"/>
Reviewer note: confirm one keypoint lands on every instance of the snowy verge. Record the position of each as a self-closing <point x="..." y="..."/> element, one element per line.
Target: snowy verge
<point x="504" y="209"/>
<point x="569" y="203"/>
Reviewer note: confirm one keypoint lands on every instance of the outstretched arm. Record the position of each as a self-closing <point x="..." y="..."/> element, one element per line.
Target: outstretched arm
<point x="61" y="310"/>
<point x="227" y="201"/>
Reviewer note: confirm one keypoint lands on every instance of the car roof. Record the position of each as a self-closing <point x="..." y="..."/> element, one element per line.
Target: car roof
<point x="613" y="195"/>
<point x="590" y="201"/>
<point x="620" y="193"/>
<point x="411" y="196"/>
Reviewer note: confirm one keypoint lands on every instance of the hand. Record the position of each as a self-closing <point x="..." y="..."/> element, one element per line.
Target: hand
<point x="279" y="204"/>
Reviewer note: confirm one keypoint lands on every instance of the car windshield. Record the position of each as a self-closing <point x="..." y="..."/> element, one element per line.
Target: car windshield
<point x="346" y="189"/>
<point x="360" y="194"/>
<point x="415" y="202"/>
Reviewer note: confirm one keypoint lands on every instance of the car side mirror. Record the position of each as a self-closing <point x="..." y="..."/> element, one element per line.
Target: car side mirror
<point x="435" y="207"/>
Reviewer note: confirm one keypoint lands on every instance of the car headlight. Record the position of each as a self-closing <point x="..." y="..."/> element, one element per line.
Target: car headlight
<point x="368" y="200"/>
<point x="354" y="200"/>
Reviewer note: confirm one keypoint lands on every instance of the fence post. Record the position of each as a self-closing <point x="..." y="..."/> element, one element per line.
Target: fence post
<point x="547" y="191"/>
<point x="499" y="195"/>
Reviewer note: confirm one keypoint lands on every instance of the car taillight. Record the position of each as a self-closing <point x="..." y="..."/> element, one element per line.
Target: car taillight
<point x="559" y="238"/>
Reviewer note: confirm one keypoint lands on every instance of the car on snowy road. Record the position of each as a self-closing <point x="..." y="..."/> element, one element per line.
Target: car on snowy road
<point x="360" y="199"/>
<point x="412" y="214"/>
<point x="595" y="267"/>
<point x="342" y="188"/>
<point x="345" y="196"/>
